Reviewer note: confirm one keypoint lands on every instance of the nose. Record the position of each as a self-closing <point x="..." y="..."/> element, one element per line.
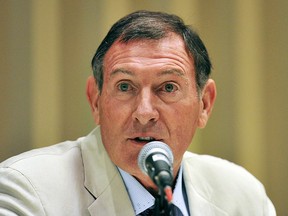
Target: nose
<point x="145" y="111"/>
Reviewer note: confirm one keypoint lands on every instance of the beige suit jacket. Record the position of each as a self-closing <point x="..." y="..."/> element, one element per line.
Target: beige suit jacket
<point x="78" y="178"/>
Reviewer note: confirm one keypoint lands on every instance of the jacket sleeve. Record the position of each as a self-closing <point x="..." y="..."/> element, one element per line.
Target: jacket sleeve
<point x="270" y="209"/>
<point x="17" y="195"/>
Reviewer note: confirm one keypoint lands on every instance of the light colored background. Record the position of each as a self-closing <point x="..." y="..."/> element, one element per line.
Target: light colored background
<point x="46" y="48"/>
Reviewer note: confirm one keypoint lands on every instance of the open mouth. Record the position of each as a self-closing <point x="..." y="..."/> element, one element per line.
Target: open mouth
<point x="144" y="139"/>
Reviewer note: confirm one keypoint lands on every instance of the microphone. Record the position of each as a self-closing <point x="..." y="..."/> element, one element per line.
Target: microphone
<point x="155" y="160"/>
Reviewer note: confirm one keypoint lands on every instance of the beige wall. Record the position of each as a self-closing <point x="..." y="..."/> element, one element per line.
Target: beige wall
<point x="45" y="53"/>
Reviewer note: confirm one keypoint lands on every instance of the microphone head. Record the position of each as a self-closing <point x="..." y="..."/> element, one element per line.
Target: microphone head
<point x="151" y="148"/>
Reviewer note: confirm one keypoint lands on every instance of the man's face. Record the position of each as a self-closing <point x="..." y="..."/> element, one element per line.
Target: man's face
<point x="149" y="93"/>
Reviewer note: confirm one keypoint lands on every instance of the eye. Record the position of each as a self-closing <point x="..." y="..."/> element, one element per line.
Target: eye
<point x="169" y="87"/>
<point x="170" y="92"/>
<point x="124" y="87"/>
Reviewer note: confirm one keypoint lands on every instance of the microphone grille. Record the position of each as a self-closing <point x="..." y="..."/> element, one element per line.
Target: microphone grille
<point x="153" y="147"/>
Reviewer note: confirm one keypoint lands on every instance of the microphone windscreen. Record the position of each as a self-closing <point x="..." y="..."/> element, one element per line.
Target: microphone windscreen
<point x="152" y="148"/>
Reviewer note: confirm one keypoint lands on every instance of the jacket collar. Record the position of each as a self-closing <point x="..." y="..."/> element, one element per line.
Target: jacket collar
<point x="102" y="179"/>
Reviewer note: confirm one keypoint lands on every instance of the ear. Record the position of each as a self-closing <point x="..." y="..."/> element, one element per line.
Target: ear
<point x="93" y="94"/>
<point x="208" y="96"/>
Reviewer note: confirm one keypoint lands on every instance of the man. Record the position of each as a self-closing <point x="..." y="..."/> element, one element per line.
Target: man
<point x="151" y="82"/>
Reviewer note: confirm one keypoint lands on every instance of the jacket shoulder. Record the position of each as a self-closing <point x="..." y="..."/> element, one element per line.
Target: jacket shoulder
<point x="210" y="165"/>
<point x="40" y="153"/>
<point x="39" y="180"/>
<point x="226" y="185"/>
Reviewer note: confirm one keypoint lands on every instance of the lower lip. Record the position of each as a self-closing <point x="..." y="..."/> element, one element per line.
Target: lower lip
<point x="141" y="143"/>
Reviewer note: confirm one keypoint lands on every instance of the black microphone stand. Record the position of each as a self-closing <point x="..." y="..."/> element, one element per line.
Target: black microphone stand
<point x="162" y="207"/>
<point x="164" y="180"/>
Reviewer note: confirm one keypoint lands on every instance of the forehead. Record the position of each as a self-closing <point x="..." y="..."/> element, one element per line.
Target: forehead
<point x="169" y="49"/>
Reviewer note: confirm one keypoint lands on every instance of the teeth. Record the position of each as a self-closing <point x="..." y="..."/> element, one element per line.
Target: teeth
<point x="145" y="138"/>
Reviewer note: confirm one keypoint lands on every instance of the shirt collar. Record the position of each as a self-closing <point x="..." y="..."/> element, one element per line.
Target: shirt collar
<point x="141" y="199"/>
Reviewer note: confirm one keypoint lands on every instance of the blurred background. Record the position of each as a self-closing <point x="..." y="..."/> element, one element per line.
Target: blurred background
<point x="45" y="53"/>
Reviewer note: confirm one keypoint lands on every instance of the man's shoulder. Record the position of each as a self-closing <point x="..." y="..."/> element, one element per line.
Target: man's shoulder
<point x="56" y="162"/>
<point x="39" y="180"/>
<point x="211" y="162"/>
<point x="58" y="152"/>
<point x="216" y="170"/>
<point x="228" y="186"/>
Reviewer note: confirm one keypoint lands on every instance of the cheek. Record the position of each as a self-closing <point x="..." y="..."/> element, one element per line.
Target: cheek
<point x="186" y="125"/>
<point x="112" y="111"/>
<point x="107" y="111"/>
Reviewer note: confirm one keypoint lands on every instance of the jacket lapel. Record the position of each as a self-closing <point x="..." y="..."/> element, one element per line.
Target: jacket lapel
<point x="103" y="180"/>
<point x="198" y="194"/>
<point x="113" y="201"/>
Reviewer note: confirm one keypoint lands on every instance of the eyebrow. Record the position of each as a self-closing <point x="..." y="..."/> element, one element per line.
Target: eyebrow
<point x="121" y="70"/>
<point x="165" y="72"/>
<point x="172" y="71"/>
